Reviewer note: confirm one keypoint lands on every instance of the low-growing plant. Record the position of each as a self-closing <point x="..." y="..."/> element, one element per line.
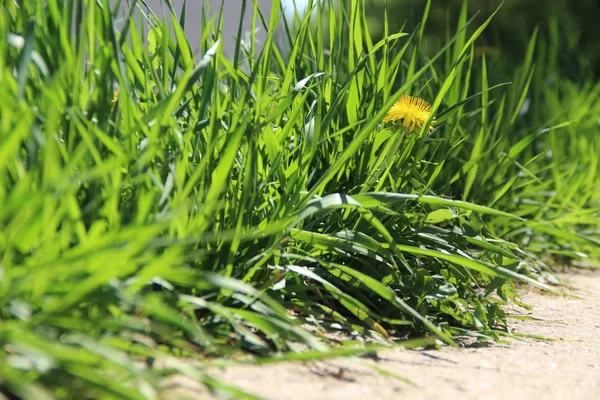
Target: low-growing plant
<point x="156" y="205"/>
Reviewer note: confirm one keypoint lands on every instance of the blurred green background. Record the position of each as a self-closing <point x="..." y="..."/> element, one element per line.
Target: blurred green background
<point x="571" y="26"/>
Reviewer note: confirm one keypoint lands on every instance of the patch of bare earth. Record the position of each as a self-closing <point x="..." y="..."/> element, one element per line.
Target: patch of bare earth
<point x="567" y="368"/>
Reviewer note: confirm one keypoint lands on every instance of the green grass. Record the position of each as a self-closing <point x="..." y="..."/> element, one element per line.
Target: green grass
<point x="221" y="205"/>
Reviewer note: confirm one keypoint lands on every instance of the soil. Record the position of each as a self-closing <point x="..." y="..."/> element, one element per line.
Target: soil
<point x="567" y="367"/>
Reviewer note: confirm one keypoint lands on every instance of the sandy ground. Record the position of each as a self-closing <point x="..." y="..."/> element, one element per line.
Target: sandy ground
<point x="567" y="368"/>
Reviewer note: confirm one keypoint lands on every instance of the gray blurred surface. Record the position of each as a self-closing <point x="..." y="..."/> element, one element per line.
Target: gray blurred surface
<point x="231" y="17"/>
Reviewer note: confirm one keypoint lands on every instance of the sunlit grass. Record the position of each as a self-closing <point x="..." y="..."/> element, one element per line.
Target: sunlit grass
<point x="216" y="206"/>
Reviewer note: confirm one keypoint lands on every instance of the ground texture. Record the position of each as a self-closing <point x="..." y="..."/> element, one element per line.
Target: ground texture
<point x="566" y="368"/>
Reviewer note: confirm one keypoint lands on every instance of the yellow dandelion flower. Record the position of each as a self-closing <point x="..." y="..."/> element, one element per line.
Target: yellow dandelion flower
<point x="115" y="97"/>
<point x="410" y="112"/>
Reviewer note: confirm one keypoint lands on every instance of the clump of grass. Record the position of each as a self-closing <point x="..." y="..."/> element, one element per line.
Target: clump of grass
<point x="212" y="208"/>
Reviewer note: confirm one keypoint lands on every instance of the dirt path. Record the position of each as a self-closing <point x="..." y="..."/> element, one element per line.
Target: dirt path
<point x="568" y="368"/>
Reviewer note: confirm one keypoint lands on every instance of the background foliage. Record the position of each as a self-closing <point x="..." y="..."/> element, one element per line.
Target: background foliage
<point x="570" y="25"/>
<point x="157" y="205"/>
